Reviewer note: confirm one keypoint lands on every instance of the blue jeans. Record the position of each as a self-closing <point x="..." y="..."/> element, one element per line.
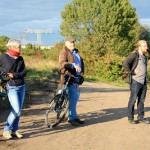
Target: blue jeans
<point x="73" y="94"/>
<point x="138" y="90"/>
<point x="16" y="96"/>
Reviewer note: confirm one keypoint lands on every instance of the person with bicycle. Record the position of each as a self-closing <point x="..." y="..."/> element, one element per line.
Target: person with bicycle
<point x="70" y="59"/>
<point x="14" y="67"/>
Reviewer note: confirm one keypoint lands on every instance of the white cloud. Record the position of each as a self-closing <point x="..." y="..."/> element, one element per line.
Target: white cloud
<point x="21" y="10"/>
<point x="34" y="14"/>
<point x="52" y="24"/>
<point x="145" y="22"/>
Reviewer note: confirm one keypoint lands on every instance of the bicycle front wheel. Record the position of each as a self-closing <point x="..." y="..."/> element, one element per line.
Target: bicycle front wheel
<point x="57" y="110"/>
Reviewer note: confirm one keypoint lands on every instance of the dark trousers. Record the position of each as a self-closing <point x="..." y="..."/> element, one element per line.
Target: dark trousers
<point x="138" y="90"/>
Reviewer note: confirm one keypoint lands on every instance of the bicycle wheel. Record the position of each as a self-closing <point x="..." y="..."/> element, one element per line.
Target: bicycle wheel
<point x="56" y="111"/>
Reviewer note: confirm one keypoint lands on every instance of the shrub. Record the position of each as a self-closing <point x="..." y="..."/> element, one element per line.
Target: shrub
<point x="106" y="68"/>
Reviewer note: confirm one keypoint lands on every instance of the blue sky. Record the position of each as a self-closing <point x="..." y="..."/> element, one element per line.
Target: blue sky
<point x="142" y="9"/>
<point x="17" y="15"/>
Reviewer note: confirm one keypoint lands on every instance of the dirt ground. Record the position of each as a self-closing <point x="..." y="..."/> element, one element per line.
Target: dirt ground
<point x="104" y="109"/>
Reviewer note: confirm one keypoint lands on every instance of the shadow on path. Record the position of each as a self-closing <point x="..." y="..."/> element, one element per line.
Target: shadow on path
<point x="91" y="90"/>
<point x="36" y="128"/>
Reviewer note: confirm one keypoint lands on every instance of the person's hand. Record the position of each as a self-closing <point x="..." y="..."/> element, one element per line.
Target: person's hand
<point x="81" y="74"/>
<point x="78" y="69"/>
<point x="10" y="75"/>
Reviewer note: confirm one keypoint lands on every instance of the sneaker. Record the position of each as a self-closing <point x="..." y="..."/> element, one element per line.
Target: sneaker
<point x="73" y="122"/>
<point x="144" y="120"/>
<point x="17" y="134"/>
<point x="79" y="121"/>
<point x="7" y="135"/>
<point x="132" y="121"/>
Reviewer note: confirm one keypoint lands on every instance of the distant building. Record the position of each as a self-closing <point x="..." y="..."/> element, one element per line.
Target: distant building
<point x="41" y="46"/>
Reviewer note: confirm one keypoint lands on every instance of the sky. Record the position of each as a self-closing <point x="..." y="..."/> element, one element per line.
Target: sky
<point x="18" y="15"/>
<point x="142" y="9"/>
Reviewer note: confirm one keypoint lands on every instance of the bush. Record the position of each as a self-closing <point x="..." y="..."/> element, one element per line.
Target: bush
<point x="53" y="53"/>
<point x="107" y="68"/>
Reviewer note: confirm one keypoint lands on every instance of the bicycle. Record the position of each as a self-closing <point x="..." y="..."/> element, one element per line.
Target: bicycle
<point x="59" y="104"/>
<point x="3" y="82"/>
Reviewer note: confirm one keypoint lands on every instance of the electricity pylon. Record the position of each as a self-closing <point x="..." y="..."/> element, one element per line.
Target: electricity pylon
<point x="38" y="32"/>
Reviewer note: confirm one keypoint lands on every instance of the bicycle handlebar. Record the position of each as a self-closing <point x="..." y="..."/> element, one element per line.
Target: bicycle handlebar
<point x="2" y="73"/>
<point x="5" y="78"/>
<point x="63" y="71"/>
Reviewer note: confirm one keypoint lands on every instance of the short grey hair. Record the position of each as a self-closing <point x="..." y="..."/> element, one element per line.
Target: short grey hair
<point x="12" y="43"/>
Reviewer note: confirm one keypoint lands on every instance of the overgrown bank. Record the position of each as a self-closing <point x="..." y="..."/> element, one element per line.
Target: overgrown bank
<point x="43" y="69"/>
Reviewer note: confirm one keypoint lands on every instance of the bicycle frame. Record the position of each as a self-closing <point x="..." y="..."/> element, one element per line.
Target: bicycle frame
<point x="67" y="82"/>
<point x="58" y="105"/>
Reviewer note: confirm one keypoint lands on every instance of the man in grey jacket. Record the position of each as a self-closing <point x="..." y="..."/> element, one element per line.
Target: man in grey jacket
<point x="136" y="65"/>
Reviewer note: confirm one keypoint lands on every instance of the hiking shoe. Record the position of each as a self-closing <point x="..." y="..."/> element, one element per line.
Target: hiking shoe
<point x="73" y="122"/>
<point x="144" y="120"/>
<point x="17" y="134"/>
<point x="132" y="121"/>
<point x="7" y="135"/>
<point x="79" y="121"/>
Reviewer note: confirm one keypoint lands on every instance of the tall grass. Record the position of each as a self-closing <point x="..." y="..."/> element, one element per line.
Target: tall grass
<point x="39" y="67"/>
<point x="41" y="72"/>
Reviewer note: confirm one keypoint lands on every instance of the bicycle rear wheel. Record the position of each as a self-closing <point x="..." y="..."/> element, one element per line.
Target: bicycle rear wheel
<point x="57" y="110"/>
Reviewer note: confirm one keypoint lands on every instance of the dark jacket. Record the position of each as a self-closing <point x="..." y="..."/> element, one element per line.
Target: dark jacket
<point x="131" y="62"/>
<point x="7" y="64"/>
<point x="66" y="59"/>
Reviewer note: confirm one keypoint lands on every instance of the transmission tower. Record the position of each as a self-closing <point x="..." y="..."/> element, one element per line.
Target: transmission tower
<point x="39" y="32"/>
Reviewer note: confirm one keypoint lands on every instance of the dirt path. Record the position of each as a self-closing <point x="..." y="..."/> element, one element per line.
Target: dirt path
<point x="104" y="109"/>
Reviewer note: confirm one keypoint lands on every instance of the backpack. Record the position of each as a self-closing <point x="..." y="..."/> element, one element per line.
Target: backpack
<point x="127" y="77"/>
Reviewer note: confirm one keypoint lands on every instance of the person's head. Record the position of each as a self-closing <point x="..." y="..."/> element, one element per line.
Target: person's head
<point x="70" y="43"/>
<point x="142" y="46"/>
<point x="14" y="45"/>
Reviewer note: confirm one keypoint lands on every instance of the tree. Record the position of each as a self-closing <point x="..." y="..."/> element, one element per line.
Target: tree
<point x="144" y="33"/>
<point x="3" y="42"/>
<point x="78" y="18"/>
<point x="101" y="25"/>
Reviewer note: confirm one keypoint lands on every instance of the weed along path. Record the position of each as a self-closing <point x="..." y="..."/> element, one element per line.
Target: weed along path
<point x="104" y="108"/>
